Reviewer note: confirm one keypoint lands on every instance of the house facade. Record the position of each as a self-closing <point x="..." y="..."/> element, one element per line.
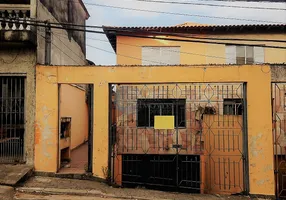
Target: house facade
<point x="198" y="128"/>
<point x="204" y="44"/>
<point x="184" y="129"/>
<point x="23" y="45"/>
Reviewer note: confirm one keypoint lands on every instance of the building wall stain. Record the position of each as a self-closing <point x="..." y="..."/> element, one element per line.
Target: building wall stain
<point x="253" y="145"/>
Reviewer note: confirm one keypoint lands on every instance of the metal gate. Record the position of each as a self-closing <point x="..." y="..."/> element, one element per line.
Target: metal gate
<point x="12" y="93"/>
<point x="279" y="137"/>
<point x="179" y="136"/>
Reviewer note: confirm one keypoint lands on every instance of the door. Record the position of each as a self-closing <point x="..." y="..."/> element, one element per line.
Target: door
<point x="90" y="97"/>
<point x="12" y="119"/>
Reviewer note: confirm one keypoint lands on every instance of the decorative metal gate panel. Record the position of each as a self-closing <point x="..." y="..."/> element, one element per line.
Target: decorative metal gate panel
<point x="279" y="137"/>
<point x="203" y="152"/>
<point x="12" y="93"/>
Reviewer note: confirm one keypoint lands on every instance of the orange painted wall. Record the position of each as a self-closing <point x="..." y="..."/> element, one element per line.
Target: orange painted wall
<point x="73" y="104"/>
<point x="197" y="53"/>
<point x="260" y="144"/>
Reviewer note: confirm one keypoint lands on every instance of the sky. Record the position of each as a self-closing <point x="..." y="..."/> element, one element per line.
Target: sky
<point x="118" y="17"/>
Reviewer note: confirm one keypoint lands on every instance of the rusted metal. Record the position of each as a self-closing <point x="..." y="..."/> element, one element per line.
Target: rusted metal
<point x="279" y="139"/>
<point x="204" y="153"/>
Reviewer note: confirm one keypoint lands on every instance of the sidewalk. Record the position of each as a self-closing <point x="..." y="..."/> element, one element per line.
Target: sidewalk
<point x="72" y="187"/>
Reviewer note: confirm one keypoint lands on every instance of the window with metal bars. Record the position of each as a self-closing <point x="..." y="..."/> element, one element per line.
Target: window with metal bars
<point x="147" y="109"/>
<point x="232" y="107"/>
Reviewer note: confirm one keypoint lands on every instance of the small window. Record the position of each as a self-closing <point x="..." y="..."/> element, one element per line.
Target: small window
<point x="232" y="107"/>
<point x="244" y="54"/>
<point x="148" y="108"/>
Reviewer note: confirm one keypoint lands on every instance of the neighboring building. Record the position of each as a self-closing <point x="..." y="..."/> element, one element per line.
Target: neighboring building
<point x="152" y="51"/>
<point x="22" y="47"/>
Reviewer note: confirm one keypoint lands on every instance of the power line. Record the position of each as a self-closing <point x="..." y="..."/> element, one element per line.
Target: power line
<point x="136" y="58"/>
<point x="200" y="37"/>
<point x="209" y="4"/>
<point x="180" y="14"/>
<point x="167" y="49"/>
<point x="174" y="13"/>
<point x="183" y="52"/>
<point x="70" y="49"/>
<point x="68" y="26"/>
<point x="158" y="38"/>
<point x="201" y="41"/>
<point x="59" y="48"/>
<point x="126" y="55"/>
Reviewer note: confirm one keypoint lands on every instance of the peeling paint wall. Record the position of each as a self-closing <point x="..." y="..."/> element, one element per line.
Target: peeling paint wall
<point x="22" y="60"/>
<point x="261" y="174"/>
<point x="68" y="11"/>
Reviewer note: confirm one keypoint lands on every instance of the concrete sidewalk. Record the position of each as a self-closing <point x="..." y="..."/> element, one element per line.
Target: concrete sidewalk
<point x="6" y="192"/>
<point x="59" y="186"/>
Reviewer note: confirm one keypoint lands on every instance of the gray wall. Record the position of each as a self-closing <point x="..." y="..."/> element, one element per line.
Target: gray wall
<point x="65" y="50"/>
<point x="59" y="9"/>
<point x="278" y="73"/>
<point x="22" y="60"/>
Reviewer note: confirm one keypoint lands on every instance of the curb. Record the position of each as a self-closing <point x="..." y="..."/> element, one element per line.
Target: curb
<point x="58" y="191"/>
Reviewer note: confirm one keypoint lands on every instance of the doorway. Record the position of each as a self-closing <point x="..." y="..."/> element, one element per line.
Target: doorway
<point x="12" y="119"/>
<point x="75" y="128"/>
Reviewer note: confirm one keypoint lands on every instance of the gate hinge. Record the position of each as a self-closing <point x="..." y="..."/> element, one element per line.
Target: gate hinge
<point x="275" y="171"/>
<point x="243" y="157"/>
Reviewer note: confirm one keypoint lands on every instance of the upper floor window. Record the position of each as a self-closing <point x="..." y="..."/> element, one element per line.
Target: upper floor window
<point x="160" y="55"/>
<point x="244" y="55"/>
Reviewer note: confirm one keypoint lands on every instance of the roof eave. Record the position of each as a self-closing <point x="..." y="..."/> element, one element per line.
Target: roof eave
<point x="110" y="36"/>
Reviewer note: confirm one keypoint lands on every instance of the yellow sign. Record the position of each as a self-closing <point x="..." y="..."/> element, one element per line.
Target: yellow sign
<point x="164" y="122"/>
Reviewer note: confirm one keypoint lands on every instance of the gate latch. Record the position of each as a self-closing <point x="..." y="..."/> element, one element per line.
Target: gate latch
<point x="177" y="146"/>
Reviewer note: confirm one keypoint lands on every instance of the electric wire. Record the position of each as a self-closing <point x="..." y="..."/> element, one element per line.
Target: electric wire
<point x="60" y="49"/>
<point x="157" y="38"/>
<point x="68" y="26"/>
<point x="180" y="14"/>
<point x="170" y="50"/>
<point x="69" y="48"/>
<point x="209" y="4"/>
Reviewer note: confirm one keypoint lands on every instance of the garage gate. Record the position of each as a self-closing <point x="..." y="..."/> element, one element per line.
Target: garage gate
<point x="183" y="136"/>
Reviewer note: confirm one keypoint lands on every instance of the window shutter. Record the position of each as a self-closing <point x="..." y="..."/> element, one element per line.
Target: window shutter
<point x="160" y="55"/>
<point x="149" y="55"/>
<point x="258" y="55"/>
<point x="170" y="55"/>
<point x="230" y="54"/>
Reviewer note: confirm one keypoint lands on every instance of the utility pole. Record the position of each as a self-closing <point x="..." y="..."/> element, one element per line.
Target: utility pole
<point x="48" y="40"/>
